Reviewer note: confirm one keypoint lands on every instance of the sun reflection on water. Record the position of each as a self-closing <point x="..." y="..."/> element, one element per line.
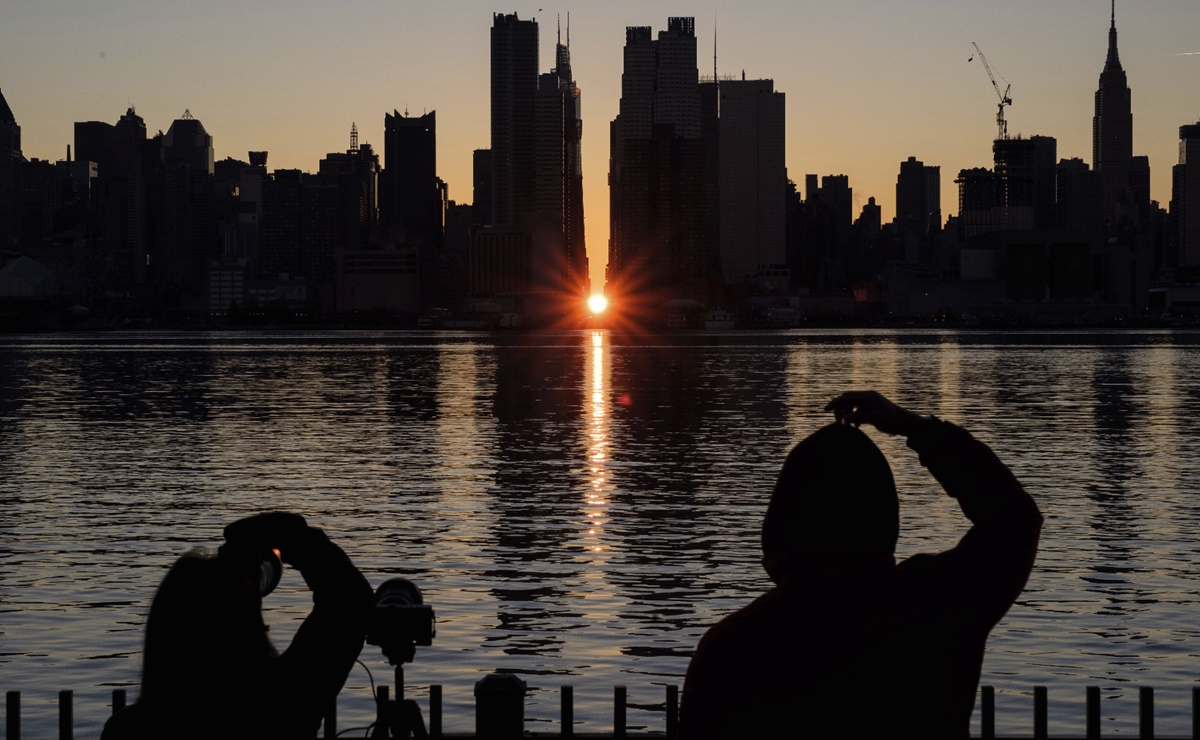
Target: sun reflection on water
<point x="596" y="506"/>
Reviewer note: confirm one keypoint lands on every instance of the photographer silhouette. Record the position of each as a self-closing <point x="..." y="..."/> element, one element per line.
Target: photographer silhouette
<point x="209" y="669"/>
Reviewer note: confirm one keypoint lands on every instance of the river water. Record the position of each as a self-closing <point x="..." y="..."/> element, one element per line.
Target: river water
<point x="579" y="507"/>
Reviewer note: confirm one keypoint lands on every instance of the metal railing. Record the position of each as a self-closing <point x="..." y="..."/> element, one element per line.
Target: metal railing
<point x="986" y="711"/>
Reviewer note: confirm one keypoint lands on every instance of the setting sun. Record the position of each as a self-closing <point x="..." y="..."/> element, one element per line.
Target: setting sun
<point x="597" y="303"/>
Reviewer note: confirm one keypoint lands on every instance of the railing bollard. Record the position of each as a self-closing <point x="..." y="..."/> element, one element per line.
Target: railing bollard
<point x="672" y="712"/>
<point x="619" y="695"/>
<point x="1093" y="713"/>
<point x="500" y="711"/>
<point x="13" y="715"/>
<point x="435" y="711"/>
<point x="1040" y="712"/>
<point x="568" y="711"/>
<point x="66" y="715"/>
<point x="987" y="712"/>
<point x="499" y="707"/>
<point x="1146" y="713"/>
<point x="1196" y="713"/>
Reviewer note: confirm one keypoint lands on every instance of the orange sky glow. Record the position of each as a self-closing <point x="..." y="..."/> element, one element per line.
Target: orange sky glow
<point x="868" y="82"/>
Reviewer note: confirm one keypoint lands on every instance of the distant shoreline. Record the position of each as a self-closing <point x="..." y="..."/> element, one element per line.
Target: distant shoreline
<point x="1147" y="323"/>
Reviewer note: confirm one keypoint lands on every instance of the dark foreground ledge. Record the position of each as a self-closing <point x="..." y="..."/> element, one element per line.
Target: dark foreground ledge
<point x="500" y="713"/>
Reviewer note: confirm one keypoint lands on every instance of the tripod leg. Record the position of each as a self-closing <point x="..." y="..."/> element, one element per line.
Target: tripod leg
<point x="414" y="720"/>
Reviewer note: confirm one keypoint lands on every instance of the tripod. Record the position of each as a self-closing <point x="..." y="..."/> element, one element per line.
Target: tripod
<point x="399" y="717"/>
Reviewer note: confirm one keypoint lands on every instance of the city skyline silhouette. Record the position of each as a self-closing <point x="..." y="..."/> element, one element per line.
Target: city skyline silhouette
<point x="867" y="86"/>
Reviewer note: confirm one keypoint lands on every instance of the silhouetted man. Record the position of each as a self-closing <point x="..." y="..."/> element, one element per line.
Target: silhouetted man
<point x="848" y="643"/>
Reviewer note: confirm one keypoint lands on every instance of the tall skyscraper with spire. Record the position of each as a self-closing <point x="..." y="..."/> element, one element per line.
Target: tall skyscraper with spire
<point x="1112" y="126"/>
<point x="10" y="168"/>
<point x="559" y="177"/>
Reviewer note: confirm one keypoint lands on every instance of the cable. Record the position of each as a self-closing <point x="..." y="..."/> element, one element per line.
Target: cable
<point x="368" y="728"/>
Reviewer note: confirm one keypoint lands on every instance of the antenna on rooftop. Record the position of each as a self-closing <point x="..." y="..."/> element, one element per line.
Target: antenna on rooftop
<point x="187" y="115"/>
<point x="353" y="136"/>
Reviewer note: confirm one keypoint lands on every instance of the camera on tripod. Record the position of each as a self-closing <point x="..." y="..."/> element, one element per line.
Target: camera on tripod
<point x="400" y="621"/>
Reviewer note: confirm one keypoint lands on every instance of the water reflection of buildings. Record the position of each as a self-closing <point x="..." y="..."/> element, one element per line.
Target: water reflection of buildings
<point x="1118" y="521"/>
<point x="686" y="488"/>
<point x="538" y="398"/>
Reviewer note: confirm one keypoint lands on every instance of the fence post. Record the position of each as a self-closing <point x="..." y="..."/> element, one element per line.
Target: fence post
<point x="13" y="715"/>
<point x="987" y="712"/>
<point x="1040" y="711"/>
<point x="1146" y="713"/>
<point x="672" y="712"/>
<point x="619" y="712"/>
<point x="382" y="695"/>
<point x="435" y="710"/>
<point x="66" y="715"/>
<point x="1196" y="712"/>
<point x="1093" y="713"/>
<point x="499" y="706"/>
<point x="568" y="711"/>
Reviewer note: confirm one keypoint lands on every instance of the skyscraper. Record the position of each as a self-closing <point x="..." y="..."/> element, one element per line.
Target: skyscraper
<point x="356" y="174"/>
<point x="1112" y="126"/>
<point x="188" y="143"/>
<point x="752" y="181"/>
<point x="514" y="89"/>
<point x="918" y="210"/>
<point x="657" y="171"/>
<point x="918" y="197"/>
<point x="120" y="217"/>
<point x="1185" y="196"/>
<point x="185" y="220"/>
<point x="1079" y="198"/>
<point x="529" y="251"/>
<point x="410" y="196"/>
<point x="126" y="222"/>
<point x="1025" y="171"/>
<point x="481" y="187"/>
<point x="559" y="177"/>
<point x="10" y="170"/>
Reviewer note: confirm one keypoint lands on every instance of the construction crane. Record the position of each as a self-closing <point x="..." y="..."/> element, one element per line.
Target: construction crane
<point x="1001" y="124"/>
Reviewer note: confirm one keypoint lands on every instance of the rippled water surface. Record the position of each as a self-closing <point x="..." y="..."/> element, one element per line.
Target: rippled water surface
<point x="579" y="507"/>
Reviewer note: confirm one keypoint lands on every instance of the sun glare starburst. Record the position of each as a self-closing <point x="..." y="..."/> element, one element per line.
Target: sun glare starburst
<point x="597" y="303"/>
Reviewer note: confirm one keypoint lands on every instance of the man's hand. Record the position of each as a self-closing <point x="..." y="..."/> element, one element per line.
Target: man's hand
<point x="279" y="530"/>
<point x="870" y="407"/>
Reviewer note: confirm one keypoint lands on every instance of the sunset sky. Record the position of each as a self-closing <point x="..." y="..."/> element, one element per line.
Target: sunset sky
<point x="868" y="82"/>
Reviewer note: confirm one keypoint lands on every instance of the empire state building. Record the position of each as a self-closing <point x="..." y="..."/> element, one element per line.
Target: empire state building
<point x="1112" y="126"/>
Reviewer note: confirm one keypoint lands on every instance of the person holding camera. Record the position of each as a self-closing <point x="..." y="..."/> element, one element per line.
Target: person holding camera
<point x="209" y="669"/>
<point x="848" y="643"/>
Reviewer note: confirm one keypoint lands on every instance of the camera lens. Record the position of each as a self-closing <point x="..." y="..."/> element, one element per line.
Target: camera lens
<point x="271" y="571"/>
